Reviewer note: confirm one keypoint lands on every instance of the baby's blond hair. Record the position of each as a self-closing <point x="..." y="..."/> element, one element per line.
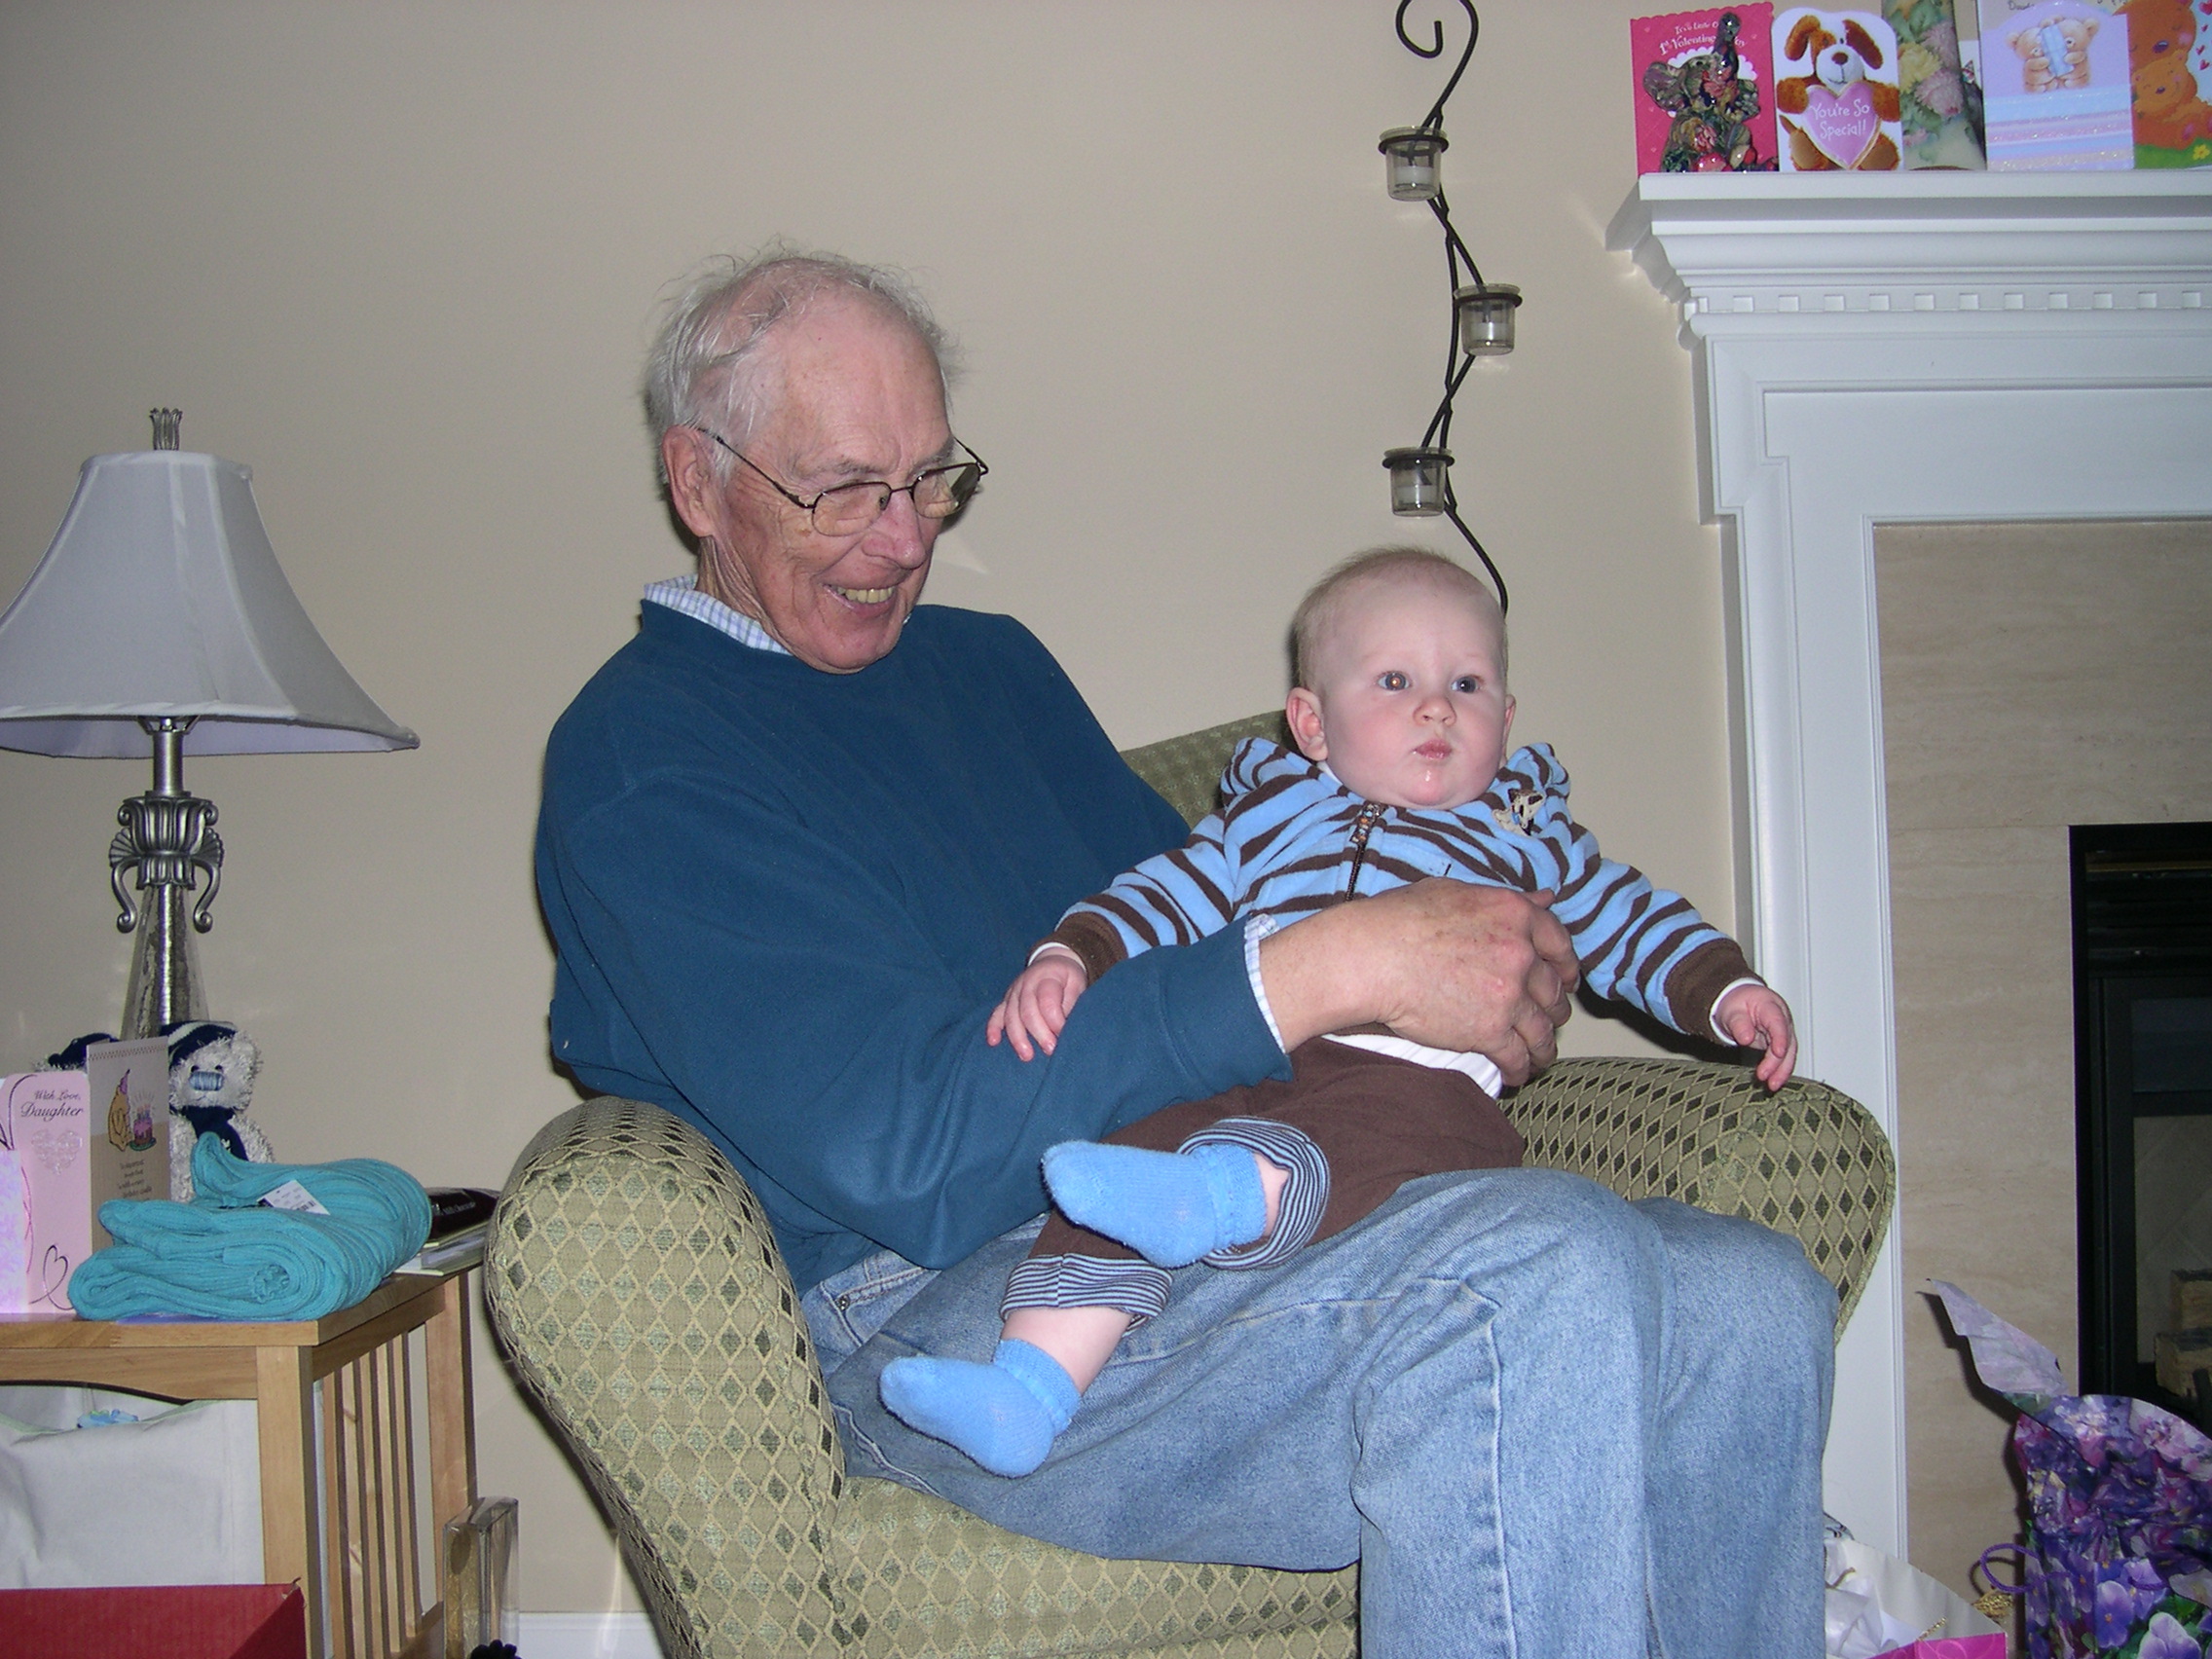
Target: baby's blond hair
<point x="1317" y="612"/>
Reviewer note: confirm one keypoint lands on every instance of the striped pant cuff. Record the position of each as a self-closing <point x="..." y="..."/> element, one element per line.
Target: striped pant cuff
<point x="1137" y="1288"/>
<point x="1305" y="1198"/>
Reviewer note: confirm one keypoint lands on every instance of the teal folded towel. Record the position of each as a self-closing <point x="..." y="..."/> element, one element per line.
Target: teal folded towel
<point x="227" y="1256"/>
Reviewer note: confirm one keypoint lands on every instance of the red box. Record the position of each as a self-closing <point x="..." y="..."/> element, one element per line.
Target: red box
<point x="185" y="1621"/>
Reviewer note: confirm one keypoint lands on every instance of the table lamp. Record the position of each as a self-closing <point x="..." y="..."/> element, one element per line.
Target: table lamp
<point x="159" y="624"/>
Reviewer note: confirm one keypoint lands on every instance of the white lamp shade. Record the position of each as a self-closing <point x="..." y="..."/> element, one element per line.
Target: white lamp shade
<point x="162" y="596"/>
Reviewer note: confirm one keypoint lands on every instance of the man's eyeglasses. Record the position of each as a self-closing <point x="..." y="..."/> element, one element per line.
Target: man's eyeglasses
<point x="849" y="508"/>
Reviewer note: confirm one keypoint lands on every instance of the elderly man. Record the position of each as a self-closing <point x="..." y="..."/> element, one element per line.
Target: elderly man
<point x="799" y="834"/>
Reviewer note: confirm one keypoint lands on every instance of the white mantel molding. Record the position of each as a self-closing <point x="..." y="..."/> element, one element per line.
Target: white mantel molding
<point x="1792" y="244"/>
<point x="1898" y="349"/>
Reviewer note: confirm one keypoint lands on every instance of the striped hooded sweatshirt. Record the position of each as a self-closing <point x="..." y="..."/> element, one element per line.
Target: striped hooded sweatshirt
<point x="1289" y="839"/>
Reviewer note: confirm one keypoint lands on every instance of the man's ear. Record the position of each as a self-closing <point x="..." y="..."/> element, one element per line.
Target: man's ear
<point x="692" y="486"/>
<point x="1302" y="713"/>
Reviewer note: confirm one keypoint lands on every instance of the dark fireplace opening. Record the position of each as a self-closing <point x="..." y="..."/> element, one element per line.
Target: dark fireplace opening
<point x="2143" y="1072"/>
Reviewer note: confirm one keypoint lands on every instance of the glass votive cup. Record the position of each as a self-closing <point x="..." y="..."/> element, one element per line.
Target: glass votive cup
<point x="1410" y="159"/>
<point x="1417" y="481"/>
<point x="1486" y="317"/>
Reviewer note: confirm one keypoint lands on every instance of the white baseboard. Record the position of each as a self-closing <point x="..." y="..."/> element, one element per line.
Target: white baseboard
<point x="586" y="1636"/>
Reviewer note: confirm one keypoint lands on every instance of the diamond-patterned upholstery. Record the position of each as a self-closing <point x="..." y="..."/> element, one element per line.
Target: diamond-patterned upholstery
<point x="1809" y="1160"/>
<point x="1187" y="770"/>
<point x="635" y="1285"/>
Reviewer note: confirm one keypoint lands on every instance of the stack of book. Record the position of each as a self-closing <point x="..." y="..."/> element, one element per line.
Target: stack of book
<point x="459" y="1218"/>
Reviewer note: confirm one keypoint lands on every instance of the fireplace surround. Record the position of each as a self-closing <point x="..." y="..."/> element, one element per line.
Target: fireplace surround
<point x="1964" y="348"/>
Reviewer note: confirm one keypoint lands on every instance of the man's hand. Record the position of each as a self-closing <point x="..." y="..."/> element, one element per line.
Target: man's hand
<point x="1443" y="962"/>
<point x="1037" y="1004"/>
<point x="1754" y="1017"/>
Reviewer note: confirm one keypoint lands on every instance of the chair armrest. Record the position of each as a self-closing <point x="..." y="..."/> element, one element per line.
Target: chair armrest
<point x="1809" y="1160"/>
<point x="631" y="1276"/>
<point x="635" y="1283"/>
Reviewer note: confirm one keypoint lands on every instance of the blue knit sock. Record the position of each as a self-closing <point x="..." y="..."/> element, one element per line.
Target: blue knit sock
<point x="1170" y="1207"/>
<point x="1004" y="1415"/>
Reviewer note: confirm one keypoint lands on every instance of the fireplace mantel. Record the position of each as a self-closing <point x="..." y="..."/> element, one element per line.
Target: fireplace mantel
<point x="1812" y="245"/>
<point x="1900" y="349"/>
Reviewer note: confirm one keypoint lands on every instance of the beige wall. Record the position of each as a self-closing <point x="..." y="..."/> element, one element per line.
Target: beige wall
<point x="2033" y="676"/>
<point x="401" y="259"/>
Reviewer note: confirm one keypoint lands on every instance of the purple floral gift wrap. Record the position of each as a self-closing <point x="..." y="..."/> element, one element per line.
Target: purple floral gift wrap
<point x="2119" y="1499"/>
<point x="2120" y="1537"/>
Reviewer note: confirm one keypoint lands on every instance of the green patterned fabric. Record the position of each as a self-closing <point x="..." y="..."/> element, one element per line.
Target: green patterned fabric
<point x="1187" y="770"/>
<point x="1808" y="1160"/>
<point x="633" y="1278"/>
<point x="634" y="1282"/>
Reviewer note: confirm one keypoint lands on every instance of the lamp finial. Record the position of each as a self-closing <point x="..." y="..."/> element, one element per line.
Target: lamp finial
<point x="167" y="423"/>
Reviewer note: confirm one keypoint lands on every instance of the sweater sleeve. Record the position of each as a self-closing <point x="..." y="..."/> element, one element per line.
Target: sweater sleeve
<point x="1638" y="943"/>
<point x="1173" y="898"/>
<point x="751" y="965"/>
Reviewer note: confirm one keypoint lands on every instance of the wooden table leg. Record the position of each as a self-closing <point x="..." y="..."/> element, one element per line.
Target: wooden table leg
<point x="290" y="1527"/>
<point x="452" y="1405"/>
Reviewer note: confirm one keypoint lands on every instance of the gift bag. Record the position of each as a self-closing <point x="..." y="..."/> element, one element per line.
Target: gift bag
<point x="2119" y="1556"/>
<point x="1880" y="1605"/>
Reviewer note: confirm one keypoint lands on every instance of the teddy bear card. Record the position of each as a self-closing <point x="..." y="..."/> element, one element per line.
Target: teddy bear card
<point x="2169" y="50"/>
<point x="2059" y="99"/>
<point x="1704" y="99"/>
<point x="1836" y="94"/>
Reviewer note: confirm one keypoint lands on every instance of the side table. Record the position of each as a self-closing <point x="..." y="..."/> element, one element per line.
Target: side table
<point x="367" y="1558"/>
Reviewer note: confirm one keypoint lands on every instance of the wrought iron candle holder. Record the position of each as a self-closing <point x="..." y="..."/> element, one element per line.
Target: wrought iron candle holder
<point x="1482" y="312"/>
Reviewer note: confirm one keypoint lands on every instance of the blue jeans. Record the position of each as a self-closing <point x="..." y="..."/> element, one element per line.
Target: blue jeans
<point x="1544" y="1421"/>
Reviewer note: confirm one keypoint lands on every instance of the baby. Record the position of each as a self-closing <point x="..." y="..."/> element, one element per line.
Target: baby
<point x="1400" y="713"/>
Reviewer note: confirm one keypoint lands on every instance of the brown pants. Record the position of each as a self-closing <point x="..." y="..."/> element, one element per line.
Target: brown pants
<point x="1378" y="1121"/>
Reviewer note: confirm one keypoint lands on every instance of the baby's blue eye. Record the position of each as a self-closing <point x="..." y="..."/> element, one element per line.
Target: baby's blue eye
<point x="1392" y="681"/>
<point x="1467" y="685"/>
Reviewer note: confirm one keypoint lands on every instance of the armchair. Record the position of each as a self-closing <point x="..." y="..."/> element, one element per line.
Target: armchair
<point x="635" y="1285"/>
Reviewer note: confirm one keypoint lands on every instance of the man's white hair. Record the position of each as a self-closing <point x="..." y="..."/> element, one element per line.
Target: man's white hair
<point x="708" y="366"/>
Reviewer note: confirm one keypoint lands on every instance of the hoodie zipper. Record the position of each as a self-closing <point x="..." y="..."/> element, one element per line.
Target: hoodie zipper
<point x="1362" y="827"/>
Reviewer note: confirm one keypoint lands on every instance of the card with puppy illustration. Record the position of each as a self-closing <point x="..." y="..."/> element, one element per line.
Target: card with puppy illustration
<point x="1836" y="94"/>
<point x="2055" y="76"/>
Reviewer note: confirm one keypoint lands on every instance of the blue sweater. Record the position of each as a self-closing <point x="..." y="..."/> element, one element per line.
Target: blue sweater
<point x="785" y="901"/>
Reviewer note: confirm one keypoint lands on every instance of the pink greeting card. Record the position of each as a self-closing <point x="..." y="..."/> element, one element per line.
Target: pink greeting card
<point x="1703" y="100"/>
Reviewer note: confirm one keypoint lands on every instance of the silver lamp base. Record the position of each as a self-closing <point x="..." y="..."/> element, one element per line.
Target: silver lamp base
<point x="164" y="966"/>
<point x="165" y="846"/>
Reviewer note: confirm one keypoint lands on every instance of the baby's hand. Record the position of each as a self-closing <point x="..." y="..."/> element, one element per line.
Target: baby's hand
<point x="1754" y="1017"/>
<point x="1036" y="1005"/>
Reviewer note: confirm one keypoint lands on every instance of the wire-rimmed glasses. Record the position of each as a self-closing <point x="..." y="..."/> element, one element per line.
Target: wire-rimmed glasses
<point x="937" y="492"/>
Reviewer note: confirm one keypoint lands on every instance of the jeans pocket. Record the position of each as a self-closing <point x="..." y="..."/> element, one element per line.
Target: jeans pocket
<point x="846" y="1309"/>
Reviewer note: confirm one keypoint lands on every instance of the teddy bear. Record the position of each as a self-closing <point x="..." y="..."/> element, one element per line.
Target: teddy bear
<point x="1846" y="112"/>
<point x="2157" y="29"/>
<point x="2055" y="55"/>
<point x="2169" y="112"/>
<point x="212" y="1067"/>
<point x="1713" y="103"/>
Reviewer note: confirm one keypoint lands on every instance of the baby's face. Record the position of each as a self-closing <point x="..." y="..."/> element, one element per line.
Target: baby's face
<point x="1409" y="706"/>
